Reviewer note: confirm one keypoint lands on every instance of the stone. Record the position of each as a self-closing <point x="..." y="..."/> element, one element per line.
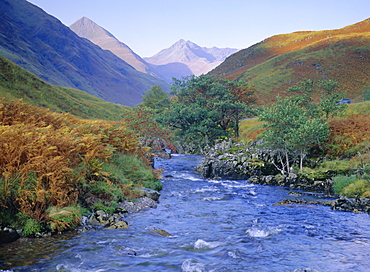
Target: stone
<point x="142" y="203"/>
<point x="160" y="232"/>
<point x="8" y="235"/>
<point x="119" y="225"/>
<point x="344" y="203"/>
<point x="146" y="192"/>
<point x="100" y="218"/>
<point x="291" y="201"/>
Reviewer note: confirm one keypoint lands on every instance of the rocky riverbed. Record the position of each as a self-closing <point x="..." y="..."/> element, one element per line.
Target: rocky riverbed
<point x="99" y="219"/>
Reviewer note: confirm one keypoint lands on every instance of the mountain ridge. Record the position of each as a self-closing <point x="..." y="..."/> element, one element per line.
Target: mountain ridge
<point x="41" y="44"/>
<point x="280" y="61"/>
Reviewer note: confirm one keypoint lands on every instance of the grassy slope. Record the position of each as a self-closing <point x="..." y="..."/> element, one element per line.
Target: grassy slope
<point x="17" y="83"/>
<point x="276" y="63"/>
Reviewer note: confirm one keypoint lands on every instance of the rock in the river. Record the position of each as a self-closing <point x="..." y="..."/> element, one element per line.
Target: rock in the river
<point x="234" y="161"/>
<point x="101" y="218"/>
<point x="142" y="203"/>
<point x="146" y="192"/>
<point x="160" y="232"/>
<point x="119" y="225"/>
<point x="352" y="204"/>
<point x="8" y="235"/>
<point x="291" y="201"/>
<point x="294" y="181"/>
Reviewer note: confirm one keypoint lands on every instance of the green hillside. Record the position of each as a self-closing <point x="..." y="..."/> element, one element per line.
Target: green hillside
<point x="279" y="62"/>
<point x="17" y="83"/>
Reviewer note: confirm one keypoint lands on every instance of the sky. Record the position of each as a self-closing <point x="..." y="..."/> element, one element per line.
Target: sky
<point x="148" y="26"/>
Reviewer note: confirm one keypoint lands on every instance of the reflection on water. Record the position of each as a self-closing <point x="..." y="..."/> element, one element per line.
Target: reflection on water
<point x="216" y="225"/>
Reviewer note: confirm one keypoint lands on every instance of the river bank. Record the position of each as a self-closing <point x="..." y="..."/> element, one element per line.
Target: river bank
<point x="215" y="225"/>
<point x="236" y="161"/>
<point x="97" y="219"/>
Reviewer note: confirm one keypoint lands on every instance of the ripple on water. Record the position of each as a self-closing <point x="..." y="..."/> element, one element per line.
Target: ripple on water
<point x="201" y="244"/>
<point x="261" y="233"/>
<point x="192" y="265"/>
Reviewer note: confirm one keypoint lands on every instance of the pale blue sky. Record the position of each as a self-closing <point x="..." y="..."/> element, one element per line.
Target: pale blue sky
<point x="148" y="26"/>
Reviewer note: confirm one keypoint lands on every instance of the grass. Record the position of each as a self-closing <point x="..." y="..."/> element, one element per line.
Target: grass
<point x="341" y="182"/>
<point x="131" y="171"/>
<point x="250" y="129"/>
<point x="17" y="83"/>
<point x="362" y="108"/>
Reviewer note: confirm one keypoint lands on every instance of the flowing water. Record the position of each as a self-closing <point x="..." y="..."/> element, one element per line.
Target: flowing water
<point x="217" y="225"/>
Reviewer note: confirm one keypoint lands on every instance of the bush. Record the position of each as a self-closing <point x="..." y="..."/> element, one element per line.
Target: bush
<point x="31" y="227"/>
<point x="108" y="209"/>
<point x="340" y="182"/>
<point x="360" y="188"/>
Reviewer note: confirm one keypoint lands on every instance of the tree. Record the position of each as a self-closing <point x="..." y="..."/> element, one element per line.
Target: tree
<point x="204" y="108"/>
<point x="296" y="123"/>
<point x="330" y="98"/>
<point x="156" y="99"/>
<point x="151" y="134"/>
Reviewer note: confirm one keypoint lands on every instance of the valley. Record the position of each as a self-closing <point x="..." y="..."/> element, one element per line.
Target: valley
<point x="194" y="159"/>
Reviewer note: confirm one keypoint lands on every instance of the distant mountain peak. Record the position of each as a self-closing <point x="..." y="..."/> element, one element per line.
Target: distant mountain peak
<point x="88" y="29"/>
<point x="199" y="60"/>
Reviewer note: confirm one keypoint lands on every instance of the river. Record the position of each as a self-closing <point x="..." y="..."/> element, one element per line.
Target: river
<point x="216" y="225"/>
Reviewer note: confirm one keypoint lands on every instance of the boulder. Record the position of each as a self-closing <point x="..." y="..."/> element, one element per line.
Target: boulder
<point x="146" y="192"/>
<point x="8" y="235"/>
<point x="352" y="204"/>
<point x="118" y="225"/>
<point x="100" y="218"/>
<point x="160" y="232"/>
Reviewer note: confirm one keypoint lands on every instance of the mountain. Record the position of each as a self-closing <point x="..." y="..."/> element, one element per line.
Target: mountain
<point x="187" y="58"/>
<point x="17" y="83"/>
<point x="280" y="61"/>
<point x="88" y="29"/>
<point x="44" y="46"/>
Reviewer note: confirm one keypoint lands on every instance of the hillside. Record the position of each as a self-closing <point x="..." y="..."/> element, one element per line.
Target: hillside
<point x="88" y="29"/>
<point x="44" y="46"/>
<point x="17" y="83"/>
<point x="278" y="62"/>
<point x="186" y="58"/>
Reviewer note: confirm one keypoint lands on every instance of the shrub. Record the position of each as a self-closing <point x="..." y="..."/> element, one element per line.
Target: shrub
<point x="108" y="209"/>
<point x="349" y="135"/>
<point x="340" y="182"/>
<point x="360" y="188"/>
<point x="31" y="227"/>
